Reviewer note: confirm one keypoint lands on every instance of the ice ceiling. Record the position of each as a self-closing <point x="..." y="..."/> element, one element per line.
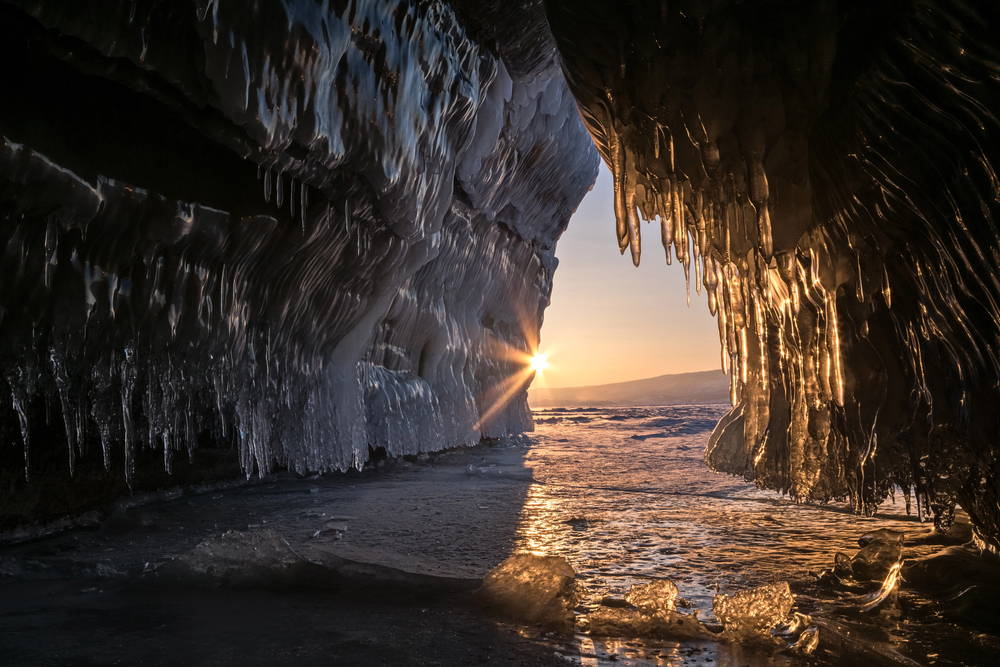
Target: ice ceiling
<point x="315" y="228"/>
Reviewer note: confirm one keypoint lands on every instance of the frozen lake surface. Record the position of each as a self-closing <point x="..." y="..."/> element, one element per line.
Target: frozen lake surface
<point x="624" y="495"/>
<point x="621" y="493"/>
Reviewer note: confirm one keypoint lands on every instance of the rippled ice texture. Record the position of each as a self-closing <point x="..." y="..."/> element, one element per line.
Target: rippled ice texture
<point x="642" y="503"/>
<point x="624" y="495"/>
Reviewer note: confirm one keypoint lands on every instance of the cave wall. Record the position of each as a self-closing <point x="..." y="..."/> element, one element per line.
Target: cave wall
<point x="824" y="171"/>
<point x="302" y="230"/>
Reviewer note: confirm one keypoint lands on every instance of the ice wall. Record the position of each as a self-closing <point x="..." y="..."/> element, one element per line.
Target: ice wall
<point x="313" y="228"/>
<point x="824" y="170"/>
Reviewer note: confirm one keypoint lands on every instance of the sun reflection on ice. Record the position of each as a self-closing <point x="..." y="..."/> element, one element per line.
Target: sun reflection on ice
<point x="624" y="495"/>
<point x="538" y="529"/>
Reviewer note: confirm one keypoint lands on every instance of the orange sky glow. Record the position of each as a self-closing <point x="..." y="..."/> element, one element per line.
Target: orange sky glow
<point x="610" y="321"/>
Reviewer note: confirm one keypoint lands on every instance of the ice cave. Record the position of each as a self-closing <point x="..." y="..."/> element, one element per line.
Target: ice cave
<point x="248" y="238"/>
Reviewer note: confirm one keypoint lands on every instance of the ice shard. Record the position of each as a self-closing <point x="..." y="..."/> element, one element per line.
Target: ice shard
<point x="308" y="229"/>
<point x="825" y="171"/>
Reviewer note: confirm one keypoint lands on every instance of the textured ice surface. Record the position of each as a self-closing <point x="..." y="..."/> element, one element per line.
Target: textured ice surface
<point x="656" y="597"/>
<point x="532" y="588"/>
<point x="750" y="615"/>
<point x="825" y="172"/>
<point x="707" y="533"/>
<point x="654" y="615"/>
<point x="880" y="552"/>
<point x="238" y="556"/>
<point x="654" y="510"/>
<point x="606" y="622"/>
<point x="309" y="229"/>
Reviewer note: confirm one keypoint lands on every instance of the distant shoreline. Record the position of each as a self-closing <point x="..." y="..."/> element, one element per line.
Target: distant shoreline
<point x="698" y="388"/>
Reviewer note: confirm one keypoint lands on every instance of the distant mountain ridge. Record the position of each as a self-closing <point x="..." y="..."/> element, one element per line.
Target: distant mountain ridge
<point x="677" y="389"/>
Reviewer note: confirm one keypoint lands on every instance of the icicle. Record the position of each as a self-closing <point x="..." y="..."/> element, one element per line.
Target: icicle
<point x="764" y="228"/>
<point x="267" y="186"/>
<point x="686" y="263"/>
<point x="149" y="408"/>
<point x="886" y="292"/>
<point x="699" y="272"/>
<point x="861" y="279"/>
<point x="280" y="190"/>
<point x="621" y="201"/>
<point x="105" y="431"/>
<point x="699" y="224"/>
<point x="20" y="402"/>
<point x="304" y="204"/>
<point x="676" y="214"/>
<point x="62" y="387"/>
<point x="167" y="453"/>
<point x="633" y="233"/>
<point x="833" y="345"/>
<point x="744" y="356"/>
<point x="51" y="251"/>
<point x="673" y="167"/>
<point x="723" y="331"/>
<point x="80" y="419"/>
<point x="730" y="220"/>
<point x="666" y="217"/>
<point x="128" y="380"/>
<point x="665" y="234"/>
<point x="291" y="199"/>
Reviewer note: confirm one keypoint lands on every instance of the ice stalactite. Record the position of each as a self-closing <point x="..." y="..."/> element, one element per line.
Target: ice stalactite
<point x="825" y="173"/>
<point x="314" y="230"/>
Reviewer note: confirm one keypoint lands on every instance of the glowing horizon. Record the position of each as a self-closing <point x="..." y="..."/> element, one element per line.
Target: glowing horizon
<point x="611" y="322"/>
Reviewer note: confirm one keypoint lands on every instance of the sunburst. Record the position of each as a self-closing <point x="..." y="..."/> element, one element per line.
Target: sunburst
<point x="539" y="362"/>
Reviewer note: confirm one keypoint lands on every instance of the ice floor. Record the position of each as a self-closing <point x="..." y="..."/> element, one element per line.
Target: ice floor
<point x="623" y="494"/>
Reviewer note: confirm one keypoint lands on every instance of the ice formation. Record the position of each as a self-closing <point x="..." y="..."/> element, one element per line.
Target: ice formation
<point x="824" y="171"/>
<point x="310" y="228"/>
<point x="653" y="615"/>
<point x="656" y="597"/>
<point x="750" y="615"/>
<point x="532" y="588"/>
<point x="316" y="228"/>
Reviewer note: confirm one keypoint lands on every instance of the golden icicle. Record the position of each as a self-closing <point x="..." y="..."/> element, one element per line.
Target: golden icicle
<point x="833" y="338"/>
<point x="618" y="174"/>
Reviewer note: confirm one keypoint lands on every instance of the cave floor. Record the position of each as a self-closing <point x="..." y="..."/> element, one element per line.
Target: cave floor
<point x="59" y="623"/>
<point x="376" y="566"/>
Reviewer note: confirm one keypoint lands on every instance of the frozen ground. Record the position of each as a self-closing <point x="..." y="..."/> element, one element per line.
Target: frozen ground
<point x="375" y="565"/>
<point x="625" y="496"/>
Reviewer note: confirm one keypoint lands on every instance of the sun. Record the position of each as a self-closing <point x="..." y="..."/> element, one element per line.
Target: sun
<point x="539" y="362"/>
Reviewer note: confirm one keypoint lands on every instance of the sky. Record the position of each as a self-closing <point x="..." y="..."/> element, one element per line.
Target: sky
<point x="610" y="321"/>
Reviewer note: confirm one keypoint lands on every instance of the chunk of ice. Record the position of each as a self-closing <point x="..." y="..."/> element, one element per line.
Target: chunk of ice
<point x="750" y="615"/>
<point x="607" y="622"/>
<point x="655" y="598"/>
<point x="533" y="588"/>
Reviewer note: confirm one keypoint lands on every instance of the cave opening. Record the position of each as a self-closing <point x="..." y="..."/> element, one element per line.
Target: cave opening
<point x="273" y="278"/>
